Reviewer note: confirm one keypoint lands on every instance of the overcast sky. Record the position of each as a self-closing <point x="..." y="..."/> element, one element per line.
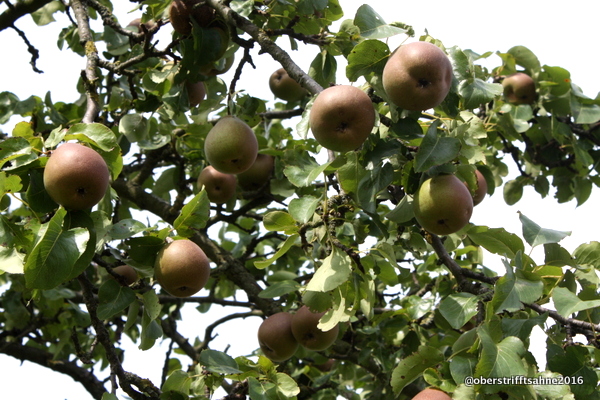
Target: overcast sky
<point x="560" y="33"/>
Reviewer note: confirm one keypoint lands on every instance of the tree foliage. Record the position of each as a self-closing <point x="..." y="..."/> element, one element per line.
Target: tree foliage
<point x="334" y="231"/>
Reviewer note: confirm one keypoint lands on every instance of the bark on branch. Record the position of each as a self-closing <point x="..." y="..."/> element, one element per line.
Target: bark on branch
<point x="16" y="11"/>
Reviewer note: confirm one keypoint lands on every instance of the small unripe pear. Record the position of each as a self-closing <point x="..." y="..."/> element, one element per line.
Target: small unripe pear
<point x="231" y="146"/>
<point x="182" y="268"/>
<point x="443" y="205"/>
<point x="275" y="337"/>
<point x="196" y="92"/>
<point x="76" y="176"/>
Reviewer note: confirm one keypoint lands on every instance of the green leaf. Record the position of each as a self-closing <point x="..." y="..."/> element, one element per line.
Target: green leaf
<point x="289" y="242"/>
<point x="193" y="215"/>
<point x="374" y="181"/>
<point x="305" y="175"/>
<point x="567" y="302"/>
<point x="516" y="288"/>
<point x="588" y="254"/>
<point x="334" y="271"/>
<point x="178" y="382"/>
<point x="18" y="151"/>
<point x="365" y="58"/>
<point x="459" y="308"/>
<point x="525" y="58"/>
<point x="218" y="362"/>
<point x="513" y="191"/>
<point x="411" y="367"/>
<point x="261" y="390"/>
<point x="152" y="306"/>
<point x="435" y="149"/>
<point x="476" y="92"/>
<point x="496" y="240"/>
<point x="303" y="208"/>
<point x="536" y="235"/>
<point x="52" y="260"/>
<point x="44" y="15"/>
<point x="125" y="228"/>
<point x="96" y="134"/>
<point x="279" y="289"/>
<point x="323" y="68"/>
<point x="286" y="386"/>
<point x="135" y="127"/>
<point x="9" y="183"/>
<point x="372" y="25"/>
<point x="403" y="212"/>
<point x="113" y="298"/>
<point x="499" y="359"/>
<point x="279" y="221"/>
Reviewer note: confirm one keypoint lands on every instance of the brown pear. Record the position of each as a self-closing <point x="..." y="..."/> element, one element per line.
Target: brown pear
<point x="196" y="92"/>
<point x="182" y="268"/>
<point x="275" y="337"/>
<point x="127" y="273"/>
<point x="305" y="330"/>
<point x="285" y="87"/>
<point x="481" y="190"/>
<point x="231" y="146"/>
<point x="443" y="205"/>
<point x="258" y="174"/>
<point x="431" y="394"/>
<point x="341" y="118"/>
<point x="417" y="76"/>
<point x="219" y="187"/>
<point x="76" y="176"/>
<point x="519" y="88"/>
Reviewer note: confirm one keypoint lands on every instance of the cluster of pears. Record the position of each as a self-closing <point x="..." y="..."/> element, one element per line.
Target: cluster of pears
<point x="280" y="335"/>
<point x="231" y="149"/>
<point x="444" y="204"/>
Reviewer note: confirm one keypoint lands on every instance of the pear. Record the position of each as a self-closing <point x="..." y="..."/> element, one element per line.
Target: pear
<point x="306" y="332"/>
<point x="258" y="174"/>
<point x="443" y="205"/>
<point x="182" y="268"/>
<point x="275" y="337"/>
<point x="181" y="12"/>
<point x="285" y="87"/>
<point x="417" y="76"/>
<point x="341" y="118"/>
<point x="127" y="273"/>
<point x="219" y="187"/>
<point x="519" y="88"/>
<point x="76" y="176"/>
<point x="196" y="92"/>
<point x="431" y="394"/>
<point x="481" y="190"/>
<point x="231" y="146"/>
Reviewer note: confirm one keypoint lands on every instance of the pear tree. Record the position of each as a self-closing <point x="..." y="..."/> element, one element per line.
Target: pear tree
<point x="329" y="237"/>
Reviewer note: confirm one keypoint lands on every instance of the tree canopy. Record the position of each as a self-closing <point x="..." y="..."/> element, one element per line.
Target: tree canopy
<point x="332" y="230"/>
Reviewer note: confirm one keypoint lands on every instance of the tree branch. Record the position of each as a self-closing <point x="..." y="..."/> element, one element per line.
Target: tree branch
<point x="16" y="11"/>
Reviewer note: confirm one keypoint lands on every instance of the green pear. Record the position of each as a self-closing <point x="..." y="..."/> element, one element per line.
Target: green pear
<point x="285" y="87"/>
<point x="182" y="268"/>
<point x="341" y="118"/>
<point x="76" y="176"/>
<point x="519" y="88"/>
<point x="443" y="205"/>
<point x="305" y="330"/>
<point x="219" y="187"/>
<point x="231" y="146"/>
<point x="275" y="337"/>
<point x="417" y="76"/>
<point x="259" y="174"/>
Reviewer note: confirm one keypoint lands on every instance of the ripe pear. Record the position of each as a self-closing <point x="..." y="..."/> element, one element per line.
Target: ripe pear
<point x="231" y="146"/>
<point x="443" y="205"/>
<point x="127" y="273"/>
<point x="431" y="394"/>
<point x="196" y="92"/>
<point x="181" y="12"/>
<point x="519" y="88"/>
<point x="76" y="176"/>
<point x="306" y="332"/>
<point x="481" y="190"/>
<point x="219" y="187"/>
<point x="182" y="268"/>
<point x="417" y="76"/>
<point x="285" y="87"/>
<point x="341" y="118"/>
<point x="275" y="337"/>
<point x="258" y="174"/>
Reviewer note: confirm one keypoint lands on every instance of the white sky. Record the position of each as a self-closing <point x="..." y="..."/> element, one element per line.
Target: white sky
<point x="560" y="33"/>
